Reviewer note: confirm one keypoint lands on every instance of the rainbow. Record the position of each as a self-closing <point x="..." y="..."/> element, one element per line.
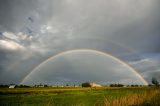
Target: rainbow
<point x="88" y="50"/>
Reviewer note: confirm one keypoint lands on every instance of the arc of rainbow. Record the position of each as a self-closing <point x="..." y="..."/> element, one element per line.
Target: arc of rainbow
<point x="88" y="50"/>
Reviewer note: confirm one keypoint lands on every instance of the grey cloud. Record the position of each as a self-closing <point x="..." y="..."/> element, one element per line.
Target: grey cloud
<point x="14" y="13"/>
<point x="125" y="28"/>
<point x="148" y="67"/>
<point x="126" y="22"/>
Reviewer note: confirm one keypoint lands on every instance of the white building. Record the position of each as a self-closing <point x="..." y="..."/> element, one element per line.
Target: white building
<point x="93" y="84"/>
<point x="12" y="86"/>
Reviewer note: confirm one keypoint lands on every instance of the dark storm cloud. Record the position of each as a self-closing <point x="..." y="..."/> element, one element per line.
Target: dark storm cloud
<point x="128" y="29"/>
<point x="13" y="13"/>
<point x="30" y="18"/>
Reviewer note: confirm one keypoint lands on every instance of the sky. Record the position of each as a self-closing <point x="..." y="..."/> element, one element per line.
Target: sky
<point x="33" y="31"/>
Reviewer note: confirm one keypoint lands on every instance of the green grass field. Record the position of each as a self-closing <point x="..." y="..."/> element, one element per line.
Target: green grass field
<point x="104" y="96"/>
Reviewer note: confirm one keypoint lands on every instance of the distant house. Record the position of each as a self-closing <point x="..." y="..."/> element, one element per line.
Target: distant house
<point x="12" y="86"/>
<point x="92" y="84"/>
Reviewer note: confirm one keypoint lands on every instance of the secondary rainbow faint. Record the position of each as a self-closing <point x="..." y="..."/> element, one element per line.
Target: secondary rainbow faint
<point x="88" y="50"/>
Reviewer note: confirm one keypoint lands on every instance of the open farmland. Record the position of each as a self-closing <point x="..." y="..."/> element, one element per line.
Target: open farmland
<point x="104" y="96"/>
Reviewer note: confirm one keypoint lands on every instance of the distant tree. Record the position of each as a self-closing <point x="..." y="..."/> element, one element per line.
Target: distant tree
<point x="112" y="85"/>
<point x="135" y="85"/>
<point x="154" y="81"/>
<point x="86" y="84"/>
<point x="45" y="85"/>
<point x="4" y="86"/>
<point x="22" y="86"/>
<point x="67" y="84"/>
<point x="120" y="85"/>
<point x="116" y="85"/>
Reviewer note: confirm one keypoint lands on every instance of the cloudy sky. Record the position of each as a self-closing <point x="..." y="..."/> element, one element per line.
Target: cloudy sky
<point x="32" y="31"/>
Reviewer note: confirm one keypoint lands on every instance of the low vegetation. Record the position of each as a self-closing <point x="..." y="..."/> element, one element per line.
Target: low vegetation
<point x="78" y="96"/>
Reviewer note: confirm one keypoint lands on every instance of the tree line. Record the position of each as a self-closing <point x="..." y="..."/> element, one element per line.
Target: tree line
<point x="154" y="81"/>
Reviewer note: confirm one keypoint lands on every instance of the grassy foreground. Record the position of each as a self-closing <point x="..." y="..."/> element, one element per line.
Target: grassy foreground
<point x="105" y="96"/>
